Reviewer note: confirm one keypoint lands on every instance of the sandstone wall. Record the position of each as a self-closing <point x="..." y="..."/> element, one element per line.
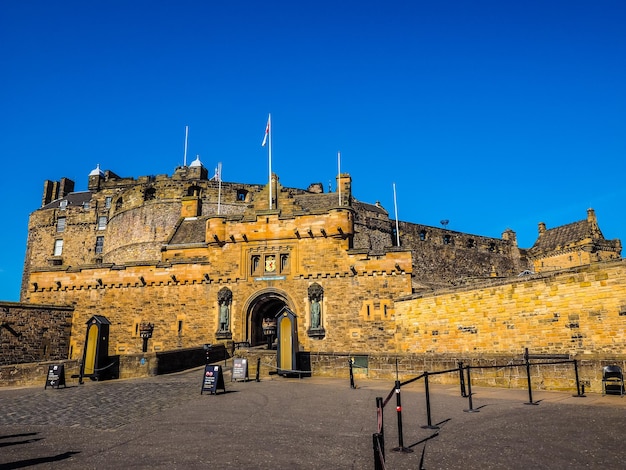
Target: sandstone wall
<point x="580" y="311"/>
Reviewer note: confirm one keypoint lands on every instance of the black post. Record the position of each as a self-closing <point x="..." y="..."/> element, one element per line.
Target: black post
<point x="469" y="392"/>
<point x="381" y="429"/>
<point x="145" y="345"/>
<point x="578" y="392"/>
<point x="350" y="362"/>
<point x="427" y="391"/>
<point x="400" y="447"/>
<point x="379" y="458"/>
<point x="530" y="389"/>
<point x="462" y="380"/>
<point x="258" y="368"/>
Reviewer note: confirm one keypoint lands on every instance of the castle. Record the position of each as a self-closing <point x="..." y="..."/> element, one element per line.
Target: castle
<point x="201" y="261"/>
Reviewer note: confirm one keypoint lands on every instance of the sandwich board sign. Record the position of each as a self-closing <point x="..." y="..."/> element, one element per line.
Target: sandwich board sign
<point x="212" y="379"/>
<point x="56" y="376"/>
<point x="240" y="369"/>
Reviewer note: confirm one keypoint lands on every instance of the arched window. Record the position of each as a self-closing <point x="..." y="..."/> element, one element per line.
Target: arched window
<point x="422" y="235"/>
<point x="193" y="190"/>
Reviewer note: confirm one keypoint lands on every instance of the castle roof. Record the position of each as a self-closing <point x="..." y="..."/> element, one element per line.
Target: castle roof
<point x="190" y="230"/>
<point x="73" y="199"/>
<point x="563" y="236"/>
<point x="96" y="171"/>
<point x="570" y="235"/>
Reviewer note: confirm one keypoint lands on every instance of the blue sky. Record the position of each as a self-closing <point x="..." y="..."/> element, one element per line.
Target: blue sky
<point x="489" y="114"/>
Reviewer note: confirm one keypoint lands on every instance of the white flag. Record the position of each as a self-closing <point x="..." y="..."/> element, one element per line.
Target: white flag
<point x="267" y="131"/>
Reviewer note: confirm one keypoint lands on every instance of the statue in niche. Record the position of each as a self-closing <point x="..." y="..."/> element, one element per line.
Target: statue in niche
<point x="224" y="299"/>
<point x="316" y="294"/>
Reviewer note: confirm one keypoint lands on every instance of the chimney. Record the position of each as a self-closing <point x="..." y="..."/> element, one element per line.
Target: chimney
<point x="591" y="216"/>
<point x="66" y="186"/>
<point x="542" y="228"/>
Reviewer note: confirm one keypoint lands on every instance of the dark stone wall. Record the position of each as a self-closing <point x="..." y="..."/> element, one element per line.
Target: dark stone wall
<point x="32" y="333"/>
<point x="445" y="258"/>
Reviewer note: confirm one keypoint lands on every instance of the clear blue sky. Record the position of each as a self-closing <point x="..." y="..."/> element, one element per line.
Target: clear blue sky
<point x="491" y="114"/>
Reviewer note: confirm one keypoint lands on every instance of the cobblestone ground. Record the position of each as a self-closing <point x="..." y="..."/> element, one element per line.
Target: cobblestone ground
<point x="98" y="405"/>
<point x="282" y="423"/>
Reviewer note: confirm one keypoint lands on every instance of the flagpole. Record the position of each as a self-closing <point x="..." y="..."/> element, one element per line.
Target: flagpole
<point x="339" y="175"/>
<point x="269" y="151"/>
<point x="395" y="204"/>
<point x="186" y="138"/>
<point x="219" y="190"/>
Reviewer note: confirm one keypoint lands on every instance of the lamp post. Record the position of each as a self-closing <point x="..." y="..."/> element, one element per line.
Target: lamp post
<point x="145" y="333"/>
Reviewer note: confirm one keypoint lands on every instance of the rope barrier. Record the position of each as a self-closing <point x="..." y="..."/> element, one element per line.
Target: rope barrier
<point x="380" y="403"/>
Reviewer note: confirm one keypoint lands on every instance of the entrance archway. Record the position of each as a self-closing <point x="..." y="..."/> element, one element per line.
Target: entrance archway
<point x="265" y="304"/>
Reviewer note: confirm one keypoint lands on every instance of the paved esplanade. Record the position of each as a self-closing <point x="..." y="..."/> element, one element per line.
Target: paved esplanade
<point x="312" y="423"/>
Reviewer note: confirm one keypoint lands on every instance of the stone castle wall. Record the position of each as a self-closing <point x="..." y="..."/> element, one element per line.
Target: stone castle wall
<point x="30" y="333"/>
<point x="580" y="311"/>
<point x="446" y="258"/>
<point x="182" y="299"/>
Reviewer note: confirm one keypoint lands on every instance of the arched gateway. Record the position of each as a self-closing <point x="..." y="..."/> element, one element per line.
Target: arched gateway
<point x="266" y="303"/>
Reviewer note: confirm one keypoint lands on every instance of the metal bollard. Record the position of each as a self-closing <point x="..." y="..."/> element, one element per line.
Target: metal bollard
<point x="530" y="388"/>
<point x="578" y="384"/>
<point x="400" y="447"/>
<point x="462" y="380"/>
<point x="469" y="392"/>
<point x="379" y="456"/>
<point x="427" y="391"/>
<point x="350" y="362"/>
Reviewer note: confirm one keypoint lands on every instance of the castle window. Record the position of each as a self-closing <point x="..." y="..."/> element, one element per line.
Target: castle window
<point x="150" y="194"/>
<point x="241" y="194"/>
<point x="86" y="205"/>
<point x="492" y="247"/>
<point x="107" y="202"/>
<point x="471" y="243"/>
<point x="447" y="239"/>
<point x="61" y="224"/>
<point x="423" y="235"/>
<point x="58" y="247"/>
<point x="102" y="222"/>
<point x="118" y="204"/>
<point x="99" y="244"/>
<point x="63" y="204"/>
<point x="255" y="264"/>
<point x="284" y="263"/>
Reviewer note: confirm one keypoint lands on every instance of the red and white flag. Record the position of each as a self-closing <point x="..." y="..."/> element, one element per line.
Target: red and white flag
<point x="267" y="132"/>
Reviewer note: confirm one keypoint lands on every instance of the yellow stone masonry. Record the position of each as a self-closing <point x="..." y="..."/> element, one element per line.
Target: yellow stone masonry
<point x="581" y="311"/>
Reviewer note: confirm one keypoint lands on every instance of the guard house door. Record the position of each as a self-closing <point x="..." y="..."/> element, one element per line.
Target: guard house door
<point x="287" y="331"/>
<point x="96" y="350"/>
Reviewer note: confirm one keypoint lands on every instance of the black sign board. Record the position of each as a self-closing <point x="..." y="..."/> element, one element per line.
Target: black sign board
<point x="240" y="369"/>
<point x="56" y="376"/>
<point x="212" y="380"/>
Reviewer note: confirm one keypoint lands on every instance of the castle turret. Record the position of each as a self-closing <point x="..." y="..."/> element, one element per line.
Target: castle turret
<point x="95" y="178"/>
<point x="197" y="170"/>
